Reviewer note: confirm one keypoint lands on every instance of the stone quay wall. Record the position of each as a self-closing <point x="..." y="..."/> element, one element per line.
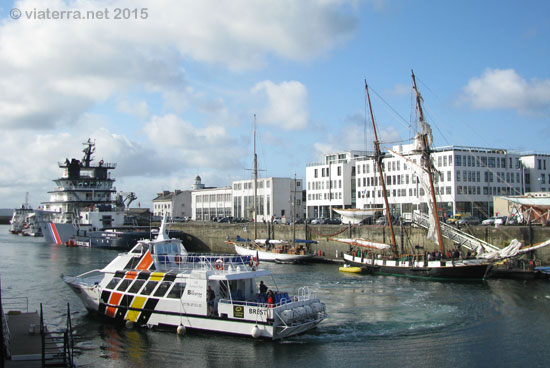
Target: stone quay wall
<point x="211" y="236"/>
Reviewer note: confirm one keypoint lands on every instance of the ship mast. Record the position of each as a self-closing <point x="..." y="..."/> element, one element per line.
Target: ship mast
<point x="378" y="160"/>
<point x="294" y="215"/>
<point x="426" y="160"/>
<point x="255" y="181"/>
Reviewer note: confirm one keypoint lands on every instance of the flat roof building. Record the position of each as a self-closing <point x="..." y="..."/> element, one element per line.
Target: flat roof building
<point x="465" y="180"/>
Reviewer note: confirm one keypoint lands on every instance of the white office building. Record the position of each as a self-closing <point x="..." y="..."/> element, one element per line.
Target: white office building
<point x="210" y="203"/>
<point x="466" y="180"/>
<point x="274" y="196"/>
<point x="330" y="184"/>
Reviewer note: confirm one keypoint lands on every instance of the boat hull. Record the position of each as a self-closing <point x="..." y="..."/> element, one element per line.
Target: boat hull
<point x="352" y="269"/>
<point x="443" y="270"/>
<point x="271" y="256"/>
<point x="154" y="312"/>
<point x="58" y="233"/>
<point x="68" y="234"/>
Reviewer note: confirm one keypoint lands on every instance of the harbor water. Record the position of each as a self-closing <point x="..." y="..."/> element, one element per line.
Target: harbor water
<point x="374" y="321"/>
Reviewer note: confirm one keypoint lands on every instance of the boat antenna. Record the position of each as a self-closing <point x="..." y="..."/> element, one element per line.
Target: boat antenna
<point x="425" y="140"/>
<point x="88" y="151"/>
<point x="378" y="160"/>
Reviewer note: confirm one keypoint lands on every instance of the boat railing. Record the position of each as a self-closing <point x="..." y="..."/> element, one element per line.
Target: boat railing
<point x="281" y="298"/>
<point x="304" y="293"/>
<point x="93" y="276"/>
<point x="222" y="263"/>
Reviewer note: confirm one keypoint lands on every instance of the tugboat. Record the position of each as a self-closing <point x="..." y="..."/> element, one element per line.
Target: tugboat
<point x="158" y="284"/>
<point x="82" y="201"/>
<point x="17" y="221"/>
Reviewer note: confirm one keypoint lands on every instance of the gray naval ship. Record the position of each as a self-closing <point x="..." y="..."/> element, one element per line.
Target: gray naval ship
<point x="85" y="208"/>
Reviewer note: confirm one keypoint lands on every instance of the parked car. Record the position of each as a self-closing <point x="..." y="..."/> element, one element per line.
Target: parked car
<point x="470" y="220"/>
<point x="496" y="220"/>
<point x="456" y="217"/>
<point x="317" y="221"/>
<point x="332" y="221"/>
<point x="240" y="220"/>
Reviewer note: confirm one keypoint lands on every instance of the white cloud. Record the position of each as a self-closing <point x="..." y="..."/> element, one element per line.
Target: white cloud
<point x="53" y="70"/>
<point x="286" y="104"/>
<point x="352" y="136"/>
<point x="139" y="109"/>
<point x="192" y="147"/>
<point x="505" y="89"/>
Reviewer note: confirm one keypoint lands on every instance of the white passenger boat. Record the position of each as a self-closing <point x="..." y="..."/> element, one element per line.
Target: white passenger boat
<point x="158" y="284"/>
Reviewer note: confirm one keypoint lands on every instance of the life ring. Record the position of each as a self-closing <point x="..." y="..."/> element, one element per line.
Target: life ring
<point x="219" y="264"/>
<point x="177" y="259"/>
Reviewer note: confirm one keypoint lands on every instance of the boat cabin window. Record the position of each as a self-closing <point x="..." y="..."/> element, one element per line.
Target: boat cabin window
<point x="149" y="287"/>
<point x="124" y="285"/>
<point x="114" y="281"/>
<point x="167" y="248"/>
<point x="163" y="288"/>
<point x="177" y="290"/>
<point x="136" y="286"/>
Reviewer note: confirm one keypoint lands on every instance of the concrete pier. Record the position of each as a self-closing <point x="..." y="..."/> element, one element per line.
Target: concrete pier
<point x="206" y="236"/>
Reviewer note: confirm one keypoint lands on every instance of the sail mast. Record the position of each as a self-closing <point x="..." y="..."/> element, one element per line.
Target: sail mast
<point x="294" y="215"/>
<point x="378" y="160"/>
<point x="255" y="181"/>
<point x="426" y="160"/>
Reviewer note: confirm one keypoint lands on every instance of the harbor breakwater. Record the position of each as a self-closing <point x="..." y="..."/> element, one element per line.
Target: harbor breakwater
<point x="212" y="236"/>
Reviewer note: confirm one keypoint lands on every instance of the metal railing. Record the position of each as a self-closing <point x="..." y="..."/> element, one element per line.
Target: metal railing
<point x="57" y="346"/>
<point x="452" y="233"/>
<point x="184" y="262"/>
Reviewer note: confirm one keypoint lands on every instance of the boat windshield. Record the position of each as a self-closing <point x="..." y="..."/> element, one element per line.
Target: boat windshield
<point x="168" y="248"/>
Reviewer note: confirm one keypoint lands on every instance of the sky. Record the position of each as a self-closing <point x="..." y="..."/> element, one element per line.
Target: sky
<point x="168" y="89"/>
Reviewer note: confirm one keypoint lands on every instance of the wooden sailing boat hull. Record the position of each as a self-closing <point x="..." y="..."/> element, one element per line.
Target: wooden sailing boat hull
<point x="442" y="270"/>
<point x="271" y="256"/>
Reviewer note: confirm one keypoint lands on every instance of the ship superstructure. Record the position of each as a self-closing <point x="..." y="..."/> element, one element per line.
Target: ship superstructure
<point x="84" y="199"/>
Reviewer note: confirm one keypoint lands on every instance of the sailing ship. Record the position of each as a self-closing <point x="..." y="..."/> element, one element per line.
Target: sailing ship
<point x="159" y="284"/>
<point x="418" y="265"/>
<point x="271" y="249"/>
<point x="82" y="202"/>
